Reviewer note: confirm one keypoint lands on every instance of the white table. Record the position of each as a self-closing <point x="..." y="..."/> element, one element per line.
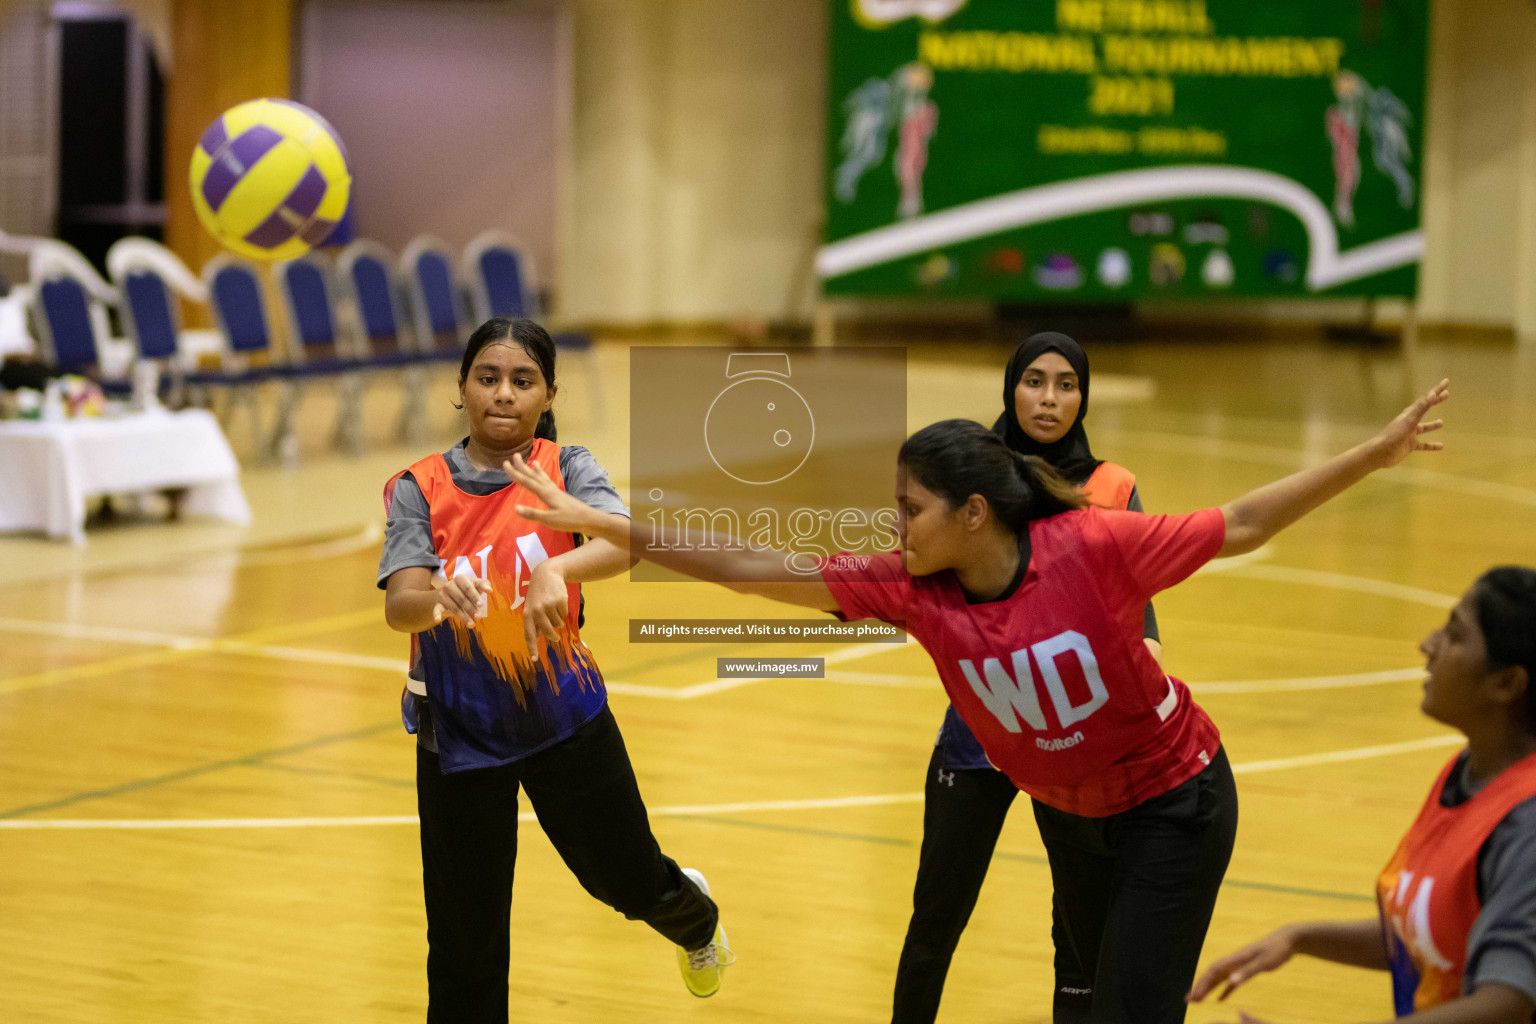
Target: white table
<point x="48" y="470"/>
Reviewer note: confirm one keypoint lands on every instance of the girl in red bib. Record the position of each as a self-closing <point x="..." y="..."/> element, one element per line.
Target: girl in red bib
<point x="1032" y="609"/>
<point x="965" y="799"/>
<point x="503" y="695"/>
<point x="1456" y="923"/>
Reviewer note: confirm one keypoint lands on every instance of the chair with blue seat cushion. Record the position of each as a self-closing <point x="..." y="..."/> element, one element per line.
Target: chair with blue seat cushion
<point x="151" y="318"/>
<point x="64" y="317"/>
<point x="49" y="260"/>
<point x="428" y="267"/>
<point x="322" y="349"/>
<point x="61" y="308"/>
<point x="154" y="282"/>
<point x="501" y="277"/>
<point x="503" y="283"/>
<point x="239" y="309"/>
<point x="249" y="357"/>
<point x="366" y="271"/>
<point x="151" y="321"/>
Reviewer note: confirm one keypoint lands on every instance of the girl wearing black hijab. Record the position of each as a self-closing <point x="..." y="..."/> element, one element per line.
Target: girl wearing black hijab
<point x="1045" y="400"/>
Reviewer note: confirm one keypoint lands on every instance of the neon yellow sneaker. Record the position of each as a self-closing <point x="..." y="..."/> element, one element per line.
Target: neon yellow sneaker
<point x="703" y="968"/>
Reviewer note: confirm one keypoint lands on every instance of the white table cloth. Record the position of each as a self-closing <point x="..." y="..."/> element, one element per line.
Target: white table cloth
<point x="48" y="470"/>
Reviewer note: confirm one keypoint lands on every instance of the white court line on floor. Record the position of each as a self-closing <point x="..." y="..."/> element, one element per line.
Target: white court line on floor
<point x="105" y="634"/>
<point x="1339" y="581"/>
<point x="1246" y="566"/>
<point x="1335" y="682"/>
<point x="316" y="656"/>
<point x="1399" y="675"/>
<point x="1292" y="458"/>
<point x="1260" y="554"/>
<point x="1357" y="754"/>
<point x="680" y="810"/>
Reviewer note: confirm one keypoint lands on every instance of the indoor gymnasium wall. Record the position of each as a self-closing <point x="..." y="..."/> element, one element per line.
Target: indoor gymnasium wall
<point x="693" y="185"/>
<point x="1480" y="167"/>
<point x="697" y="165"/>
<point x="697" y="159"/>
<point x="223" y="52"/>
<point x="454" y="114"/>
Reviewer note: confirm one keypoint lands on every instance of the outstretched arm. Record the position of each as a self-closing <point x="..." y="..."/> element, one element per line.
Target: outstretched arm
<point x="1347" y="942"/>
<point x="1357" y="943"/>
<point x="1258" y="515"/>
<point x="729" y="562"/>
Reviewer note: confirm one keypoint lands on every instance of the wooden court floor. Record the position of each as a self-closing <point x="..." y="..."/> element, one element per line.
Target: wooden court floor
<point x="206" y="800"/>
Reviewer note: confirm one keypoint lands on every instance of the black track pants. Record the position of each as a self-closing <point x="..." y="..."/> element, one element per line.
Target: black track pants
<point x="963" y="813"/>
<point x="584" y="792"/>
<point x="1135" y="892"/>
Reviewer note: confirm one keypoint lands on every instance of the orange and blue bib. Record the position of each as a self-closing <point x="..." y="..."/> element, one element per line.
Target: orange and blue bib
<point x="1427" y="894"/>
<point x="493" y="700"/>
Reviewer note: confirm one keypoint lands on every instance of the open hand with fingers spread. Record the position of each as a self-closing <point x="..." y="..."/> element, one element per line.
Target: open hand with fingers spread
<point x="1403" y="435"/>
<point x="561" y="511"/>
<point x="1234" y="969"/>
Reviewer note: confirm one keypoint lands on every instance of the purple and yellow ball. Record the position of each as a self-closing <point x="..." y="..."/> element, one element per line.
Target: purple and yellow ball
<point x="270" y="179"/>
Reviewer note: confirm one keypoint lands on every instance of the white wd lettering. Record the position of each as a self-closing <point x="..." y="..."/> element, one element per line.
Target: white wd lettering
<point x="1011" y="697"/>
<point x="1002" y="695"/>
<point x="1046" y="652"/>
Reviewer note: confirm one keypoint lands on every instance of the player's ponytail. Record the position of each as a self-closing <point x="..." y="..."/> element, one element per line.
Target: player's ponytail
<point x="958" y="458"/>
<point x="534" y="339"/>
<point x="1053" y="494"/>
<point x="1506" y="613"/>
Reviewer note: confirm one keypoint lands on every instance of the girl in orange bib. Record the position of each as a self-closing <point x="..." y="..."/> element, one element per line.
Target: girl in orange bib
<point x="503" y="695"/>
<point x="1457" y="900"/>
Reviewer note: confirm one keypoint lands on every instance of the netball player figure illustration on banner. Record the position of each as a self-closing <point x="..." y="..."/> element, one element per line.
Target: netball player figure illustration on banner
<point x="1344" y="119"/>
<point x="1456" y="902"/>
<point x="917" y="120"/>
<point x="1032" y="605"/>
<point x="504" y="696"/>
<point x="868" y="109"/>
<point x="1386" y="122"/>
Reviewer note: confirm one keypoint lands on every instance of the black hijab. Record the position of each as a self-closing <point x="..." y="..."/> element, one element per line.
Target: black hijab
<point x="1070" y="455"/>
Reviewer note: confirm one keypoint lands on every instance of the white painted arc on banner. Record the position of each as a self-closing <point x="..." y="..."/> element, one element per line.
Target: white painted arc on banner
<point x="1326" y="266"/>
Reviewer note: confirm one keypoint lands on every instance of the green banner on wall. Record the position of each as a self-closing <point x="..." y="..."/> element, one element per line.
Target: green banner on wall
<point x="1111" y="150"/>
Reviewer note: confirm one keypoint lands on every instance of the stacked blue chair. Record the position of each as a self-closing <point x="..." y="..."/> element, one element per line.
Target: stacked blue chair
<point x="428" y="268"/>
<point x="502" y="283"/>
<point x="366" y="271"/>
<point x="322" y="349"/>
<point x="501" y="277"/>
<point x="250" y="356"/>
<point x="67" y="312"/>
<point x="153" y="281"/>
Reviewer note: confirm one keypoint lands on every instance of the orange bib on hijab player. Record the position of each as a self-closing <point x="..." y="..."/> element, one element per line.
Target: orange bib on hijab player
<point x="1110" y="486"/>
<point x="1427" y="894"/>
<point x="492" y="700"/>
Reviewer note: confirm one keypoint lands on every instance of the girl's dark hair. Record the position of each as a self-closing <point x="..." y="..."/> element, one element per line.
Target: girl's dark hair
<point x="1506" y="613"/>
<point x="534" y="339"/>
<point x="958" y="458"/>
